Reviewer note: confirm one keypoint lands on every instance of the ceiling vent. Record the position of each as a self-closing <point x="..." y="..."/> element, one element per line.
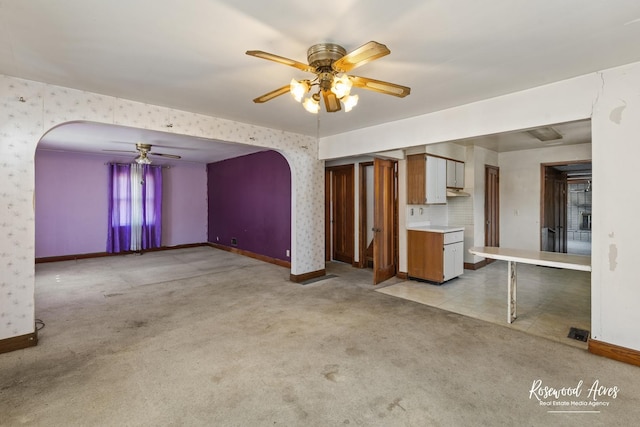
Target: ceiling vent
<point x="545" y="134"/>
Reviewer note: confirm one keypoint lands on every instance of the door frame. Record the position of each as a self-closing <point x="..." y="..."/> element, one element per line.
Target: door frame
<point x="361" y="202"/>
<point x="362" y="214"/>
<point x="496" y="223"/>
<point x="330" y="209"/>
<point x="543" y="167"/>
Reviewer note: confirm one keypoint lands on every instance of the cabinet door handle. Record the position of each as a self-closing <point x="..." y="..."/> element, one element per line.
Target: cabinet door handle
<point x="376" y="230"/>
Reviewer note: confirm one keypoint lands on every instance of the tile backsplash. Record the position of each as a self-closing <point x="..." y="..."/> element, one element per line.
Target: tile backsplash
<point x="457" y="211"/>
<point x="460" y="210"/>
<point x="435" y="214"/>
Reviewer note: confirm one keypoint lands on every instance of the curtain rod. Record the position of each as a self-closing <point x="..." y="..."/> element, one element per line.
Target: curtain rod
<point x="127" y="164"/>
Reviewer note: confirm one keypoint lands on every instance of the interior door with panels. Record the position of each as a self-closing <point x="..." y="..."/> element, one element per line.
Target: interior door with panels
<point x="342" y="213"/>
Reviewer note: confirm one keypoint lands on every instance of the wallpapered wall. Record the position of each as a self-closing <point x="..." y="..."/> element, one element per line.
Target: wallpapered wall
<point x="249" y="201"/>
<point x="22" y="124"/>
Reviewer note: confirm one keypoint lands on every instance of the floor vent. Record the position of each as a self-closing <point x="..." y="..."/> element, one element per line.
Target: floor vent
<point x="318" y="279"/>
<point x="578" y="334"/>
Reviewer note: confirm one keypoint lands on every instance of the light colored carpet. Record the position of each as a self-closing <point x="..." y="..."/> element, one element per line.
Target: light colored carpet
<point x="205" y="337"/>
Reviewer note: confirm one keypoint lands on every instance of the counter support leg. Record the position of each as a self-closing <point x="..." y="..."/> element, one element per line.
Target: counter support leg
<point x="512" y="287"/>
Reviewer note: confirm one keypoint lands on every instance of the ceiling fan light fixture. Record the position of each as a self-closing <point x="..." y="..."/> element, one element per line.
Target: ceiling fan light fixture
<point x="142" y="159"/>
<point x="299" y="89"/>
<point x="341" y="86"/>
<point x="330" y="63"/>
<point x="311" y="105"/>
<point x="349" y="102"/>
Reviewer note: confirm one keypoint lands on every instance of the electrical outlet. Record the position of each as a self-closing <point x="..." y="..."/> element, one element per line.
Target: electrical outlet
<point x="287" y="252"/>
<point x="234" y="241"/>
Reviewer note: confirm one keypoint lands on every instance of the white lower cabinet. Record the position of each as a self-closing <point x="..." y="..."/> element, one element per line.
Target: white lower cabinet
<point x="453" y="260"/>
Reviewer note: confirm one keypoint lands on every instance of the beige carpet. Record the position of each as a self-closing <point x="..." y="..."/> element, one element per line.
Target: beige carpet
<point x="205" y="337"/>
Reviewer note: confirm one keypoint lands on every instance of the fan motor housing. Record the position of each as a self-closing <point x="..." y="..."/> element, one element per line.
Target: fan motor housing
<point x="324" y="54"/>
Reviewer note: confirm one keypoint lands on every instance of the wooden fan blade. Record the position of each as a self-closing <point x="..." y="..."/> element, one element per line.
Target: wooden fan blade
<point x="365" y="53"/>
<point x="269" y="96"/>
<point x="122" y="151"/>
<point x="280" y="60"/>
<point x="171" y="156"/>
<point x="331" y="101"/>
<point x="380" y="86"/>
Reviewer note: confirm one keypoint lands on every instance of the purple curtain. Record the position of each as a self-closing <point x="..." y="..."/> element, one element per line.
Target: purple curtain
<point x="120" y="208"/>
<point x="119" y="233"/>
<point x="151" y="206"/>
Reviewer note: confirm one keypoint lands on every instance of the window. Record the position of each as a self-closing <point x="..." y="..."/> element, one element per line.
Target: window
<point x="135" y="207"/>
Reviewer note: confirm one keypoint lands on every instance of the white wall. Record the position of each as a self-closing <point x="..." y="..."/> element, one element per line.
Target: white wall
<point x="611" y="100"/>
<point x="447" y="149"/>
<point x="520" y="188"/>
<point x="559" y="102"/>
<point x="478" y="158"/>
<point x="615" y="291"/>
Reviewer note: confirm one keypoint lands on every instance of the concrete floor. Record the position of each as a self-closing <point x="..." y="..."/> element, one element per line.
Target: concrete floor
<point x="205" y="337"/>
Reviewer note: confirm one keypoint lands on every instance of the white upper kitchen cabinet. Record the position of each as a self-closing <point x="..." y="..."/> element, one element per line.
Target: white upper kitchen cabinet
<point x="436" y="176"/>
<point x="455" y="174"/>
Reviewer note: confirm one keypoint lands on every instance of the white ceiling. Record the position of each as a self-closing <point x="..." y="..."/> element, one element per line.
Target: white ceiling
<point x="101" y="139"/>
<point x="191" y="55"/>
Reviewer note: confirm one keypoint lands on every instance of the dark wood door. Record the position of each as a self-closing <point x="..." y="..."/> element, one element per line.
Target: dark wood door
<point x="384" y="220"/>
<point x="491" y="206"/>
<point x="342" y="212"/>
<point x="554" y="211"/>
<point x="560" y="212"/>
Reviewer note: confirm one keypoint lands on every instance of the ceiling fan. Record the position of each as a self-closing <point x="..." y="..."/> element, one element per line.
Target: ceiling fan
<point x="143" y="151"/>
<point x="330" y="63"/>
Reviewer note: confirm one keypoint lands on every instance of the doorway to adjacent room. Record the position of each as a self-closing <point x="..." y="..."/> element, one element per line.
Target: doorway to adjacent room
<point x="565" y="208"/>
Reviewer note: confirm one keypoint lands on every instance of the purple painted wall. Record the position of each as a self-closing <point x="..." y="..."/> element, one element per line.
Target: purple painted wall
<point x="250" y="200"/>
<point x="71" y="203"/>
<point x="184" y="204"/>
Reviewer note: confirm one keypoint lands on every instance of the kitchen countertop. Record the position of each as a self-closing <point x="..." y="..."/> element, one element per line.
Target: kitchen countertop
<point x="435" y="228"/>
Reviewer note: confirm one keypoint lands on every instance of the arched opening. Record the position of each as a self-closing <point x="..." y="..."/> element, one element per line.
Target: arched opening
<point x="71" y="185"/>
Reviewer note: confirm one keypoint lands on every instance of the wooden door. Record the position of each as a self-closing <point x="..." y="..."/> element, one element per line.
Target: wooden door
<point x="554" y="211"/>
<point x="365" y="247"/>
<point x="384" y="220"/>
<point x="342" y="212"/>
<point x="491" y="206"/>
<point x="560" y="212"/>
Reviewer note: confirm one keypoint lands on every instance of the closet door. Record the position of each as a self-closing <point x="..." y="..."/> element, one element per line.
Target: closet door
<point x="384" y="220"/>
<point x="342" y="213"/>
